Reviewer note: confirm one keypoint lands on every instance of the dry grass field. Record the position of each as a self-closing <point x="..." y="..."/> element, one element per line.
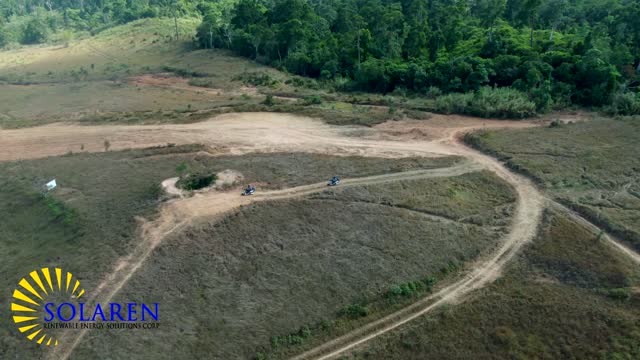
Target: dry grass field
<point x="271" y="269"/>
<point x="590" y="166"/>
<point x="567" y="296"/>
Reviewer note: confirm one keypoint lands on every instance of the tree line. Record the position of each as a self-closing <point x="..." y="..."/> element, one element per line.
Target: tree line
<point x="557" y="52"/>
<point x="33" y="21"/>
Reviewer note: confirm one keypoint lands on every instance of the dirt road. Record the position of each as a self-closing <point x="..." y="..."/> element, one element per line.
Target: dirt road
<point x="267" y="132"/>
<point x="180" y="212"/>
<point x="239" y="134"/>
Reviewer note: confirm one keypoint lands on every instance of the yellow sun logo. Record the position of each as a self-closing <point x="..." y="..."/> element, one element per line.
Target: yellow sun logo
<point x="29" y="300"/>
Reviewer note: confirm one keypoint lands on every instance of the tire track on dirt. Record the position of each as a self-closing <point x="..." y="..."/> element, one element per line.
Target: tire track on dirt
<point x="211" y="205"/>
<point x="282" y="132"/>
<point x="523" y="228"/>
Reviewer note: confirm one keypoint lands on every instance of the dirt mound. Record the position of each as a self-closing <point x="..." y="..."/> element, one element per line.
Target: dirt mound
<point x="170" y="188"/>
<point x="228" y="178"/>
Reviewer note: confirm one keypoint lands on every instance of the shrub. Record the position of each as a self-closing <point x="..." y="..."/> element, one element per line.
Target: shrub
<point x="453" y="103"/>
<point x="501" y="102"/>
<point x="433" y="92"/>
<point x="257" y="79"/>
<point x="269" y="101"/>
<point x="35" y="32"/>
<point x="619" y="293"/>
<point x="313" y="100"/>
<point x="355" y="311"/>
<point x="181" y="169"/>
<point x="488" y="102"/>
<point x="195" y="181"/>
<point x="411" y="288"/>
<point x="625" y="104"/>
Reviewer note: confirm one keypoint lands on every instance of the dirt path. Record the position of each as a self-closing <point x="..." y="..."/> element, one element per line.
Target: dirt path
<point x="268" y="132"/>
<point x="179" y="213"/>
<point x="523" y="228"/>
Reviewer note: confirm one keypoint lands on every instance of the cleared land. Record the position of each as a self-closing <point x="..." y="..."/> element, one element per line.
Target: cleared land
<point x="271" y="132"/>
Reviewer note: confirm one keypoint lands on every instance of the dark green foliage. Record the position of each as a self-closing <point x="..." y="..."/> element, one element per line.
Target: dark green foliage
<point x="535" y="46"/>
<point x="313" y="100"/>
<point x="59" y="211"/>
<point x="558" y="52"/>
<point x="195" y="181"/>
<point x="411" y="288"/>
<point x="269" y="101"/>
<point x="256" y="79"/>
<point x="618" y="293"/>
<point x="488" y="102"/>
<point x="354" y="311"/>
<point x="291" y="339"/>
<point x="35" y="31"/>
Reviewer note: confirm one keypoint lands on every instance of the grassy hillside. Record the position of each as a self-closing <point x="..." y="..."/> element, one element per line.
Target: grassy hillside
<point x="120" y="51"/>
<point x="136" y="73"/>
<point x="271" y="269"/>
<point x="97" y="77"/>
<point x="568" y="296"/>
<point x="591" y="166"/>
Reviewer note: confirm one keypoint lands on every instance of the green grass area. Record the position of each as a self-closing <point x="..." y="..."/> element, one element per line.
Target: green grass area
<point x="126" y="50"/>
<point x="568" y="296"/>
<point x="96" y="79"/>
<point x="590" y="166"/>
<point x="237" y="285"/>
<point x="87" y="223"/>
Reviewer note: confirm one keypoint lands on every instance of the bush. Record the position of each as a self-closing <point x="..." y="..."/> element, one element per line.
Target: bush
<point x="35" y="32"/>
<point x="625" y="104"/>
<point x="433" y="92"/>
<point x="195" y="181"/>
<point x="269" y="101"/>
<point x="313" y="100"/>
<point x="619" y="294"/>
<point x="355" y="311"/>
<point x="257" y="79"/>
<point x="453" y="103"/>
<point x="488" y="102"/>
<point x="185" y="72"/>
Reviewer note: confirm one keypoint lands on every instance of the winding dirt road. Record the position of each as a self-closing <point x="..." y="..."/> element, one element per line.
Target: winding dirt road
<point x="267" y="132"/>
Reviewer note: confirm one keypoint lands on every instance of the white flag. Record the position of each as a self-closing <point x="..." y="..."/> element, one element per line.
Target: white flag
<point x="51" y="185"/>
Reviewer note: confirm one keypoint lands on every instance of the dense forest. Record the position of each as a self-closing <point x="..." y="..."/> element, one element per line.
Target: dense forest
<point x="554" y="52"/>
